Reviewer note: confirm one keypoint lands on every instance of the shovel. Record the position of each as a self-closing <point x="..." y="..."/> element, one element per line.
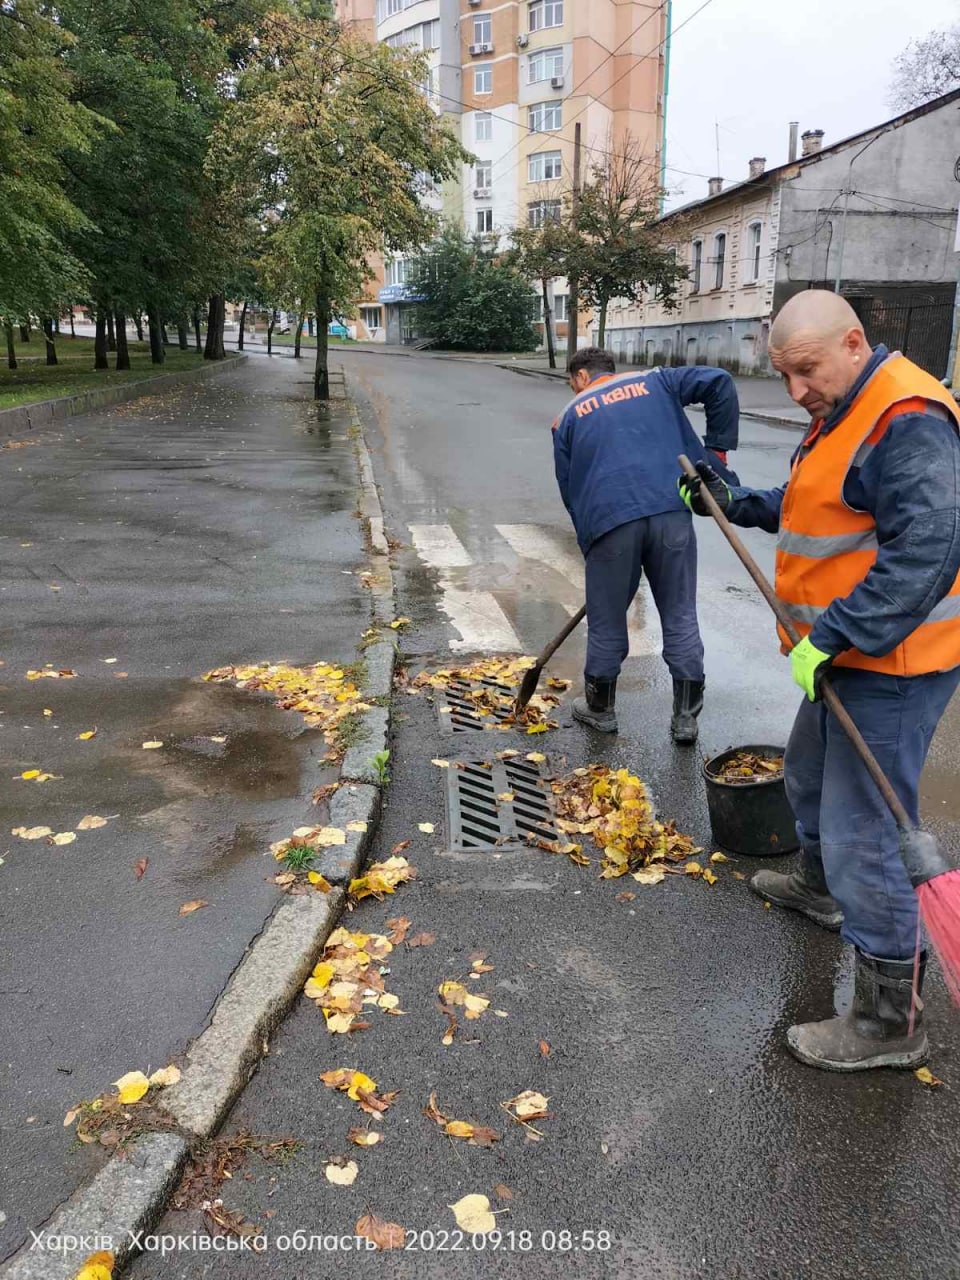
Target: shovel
<point x="918" y="849"/>
<point x="532" y="678"/>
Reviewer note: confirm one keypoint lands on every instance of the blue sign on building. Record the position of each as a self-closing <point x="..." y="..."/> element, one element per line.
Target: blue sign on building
<point x="398" y="293"/>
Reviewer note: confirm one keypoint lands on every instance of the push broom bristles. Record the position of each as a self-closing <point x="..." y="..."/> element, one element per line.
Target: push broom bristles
<point x="940" y="910"/>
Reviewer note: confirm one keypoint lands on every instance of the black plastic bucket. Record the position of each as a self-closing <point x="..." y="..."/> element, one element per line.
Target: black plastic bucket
<point x="753" y="818"/>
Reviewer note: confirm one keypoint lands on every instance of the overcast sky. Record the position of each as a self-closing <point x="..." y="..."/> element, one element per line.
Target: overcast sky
<point x="755" y="65"/>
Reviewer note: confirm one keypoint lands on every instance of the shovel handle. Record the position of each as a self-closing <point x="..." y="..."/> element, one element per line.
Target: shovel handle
<point x="829" y="694"/>
<point x="558" y="640"/>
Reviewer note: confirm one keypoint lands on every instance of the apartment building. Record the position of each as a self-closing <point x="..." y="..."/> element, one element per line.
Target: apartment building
<point x="515" y="77"/>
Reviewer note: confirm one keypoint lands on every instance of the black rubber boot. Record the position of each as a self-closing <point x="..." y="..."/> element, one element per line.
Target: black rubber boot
<point x="876" y="1032"/>
<point x="597" y="708"/>
<point x="687" y="705"/>
<point x="804" y="890"/>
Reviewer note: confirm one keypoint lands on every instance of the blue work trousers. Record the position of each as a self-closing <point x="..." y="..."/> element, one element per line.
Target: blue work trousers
<point x="664" y="547"/>
<point x="843" y="824"/>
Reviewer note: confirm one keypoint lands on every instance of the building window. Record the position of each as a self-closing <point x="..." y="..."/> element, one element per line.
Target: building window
<point x="396" y="272"/>
<point x="387" y="8"/>
<point x="370" y="317"/>
<point x="484" y="222"/>
<point x="545" y="13"/>
<point x="696" y="265"/>
<point x="543" y="117"/>
<point x="543" y="211"/>
<point x="483" y="80"/>
<point x="544" y="166"/>
<point x="431" y="34"/>
<point x="483" y="175"/>
<point x="719" y="255"/>
<point x="754" y="235"/>
<point x="544" y="65"/>
<point x="483" y="30"/>
<point x="560" y="301"/>
<point x="537" y="308"/>
<point x="483" y="127"/>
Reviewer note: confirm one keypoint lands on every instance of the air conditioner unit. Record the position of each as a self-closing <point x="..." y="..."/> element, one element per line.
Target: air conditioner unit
<point x="482" y="193"/>
<point x="476" y="49"/>
<point x="556" y="82"/>
<point x="474" y="4"/>
<point x="523" y="40"/>
<point x="486" y="48"/>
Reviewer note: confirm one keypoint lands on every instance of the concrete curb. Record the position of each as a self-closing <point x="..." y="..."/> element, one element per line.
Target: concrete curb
<point x="123" y="1199"/>
<point x="130" y="1194"/>
<point x="775" y="420"/>
<point x="31" y="417"/>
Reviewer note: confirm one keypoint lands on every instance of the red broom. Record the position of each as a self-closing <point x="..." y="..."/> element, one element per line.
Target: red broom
<point x="936" y="882"/>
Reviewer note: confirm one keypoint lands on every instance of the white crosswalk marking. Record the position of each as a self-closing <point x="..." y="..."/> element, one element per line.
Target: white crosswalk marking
<point x="535" y="542"/>
<point x="482" y="624"/>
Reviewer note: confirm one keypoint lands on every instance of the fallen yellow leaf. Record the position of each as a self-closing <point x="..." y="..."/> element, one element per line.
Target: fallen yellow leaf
<point x="540" y="727"/>
<point x="926" y="1076"/>
<point x="719" y="857"/>
<point x="528" y="1104"/>
<point x="88" y="734"/>
<point x="473" y="1215"/>
<point x="342" y="1175"/>
<point x="29" y="774"/>
<point x="32" y="833"/>
<point x="108" y="660"/>
<point x="96" y="1270"/>
<point x="693" y="869"/>
<point x="365" y="1137"/>
<point x="328" y="836"/>
<point x="71" y="1115"/>
<point x="189" y="907"/>
<point x="536" y="757"/>
<point x="319" y="882"/>
<point x="650" y="875"/>
<point x="47" y="711"/>
<point x="132" y="1087"/>
<point x="441" y="764"/>
<point x="90" y="822"/>
<point x="152" y="745"/>
<point x="458" y="1129"/>
<point x="426" y="827"/>
<point x="356" y="826"/>
<point x="63" y="837"/>
<point x="506" y="796"/>
<point x="709" y="876"/>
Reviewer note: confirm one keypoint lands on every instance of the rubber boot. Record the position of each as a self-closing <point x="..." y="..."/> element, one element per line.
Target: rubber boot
<point x="687" y="705"/>
<point x="876" y="1032"/>
<point x="597" y="708"/>
<point x="804" y="890"/>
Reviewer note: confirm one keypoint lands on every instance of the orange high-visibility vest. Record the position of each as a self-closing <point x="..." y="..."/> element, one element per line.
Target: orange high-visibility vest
<point x="825" y="548"/>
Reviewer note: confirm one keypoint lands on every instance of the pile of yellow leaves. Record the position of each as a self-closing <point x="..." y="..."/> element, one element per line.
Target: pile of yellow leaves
<point x="321" y="693"/>
<point x="612" y="808"/>
<point x="494" y="706"/>
<point x="382" y="878"/>
<point x="475" y="1135"/>
<point x="108" y="1120"/>
<point x="453" y="996"/>
<point x="348" y="977"/>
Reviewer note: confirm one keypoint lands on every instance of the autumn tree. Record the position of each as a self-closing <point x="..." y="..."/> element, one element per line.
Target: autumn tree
<point x="540" y="254"/>
<point x="927" y="68"/>
<point x="345" y="147"/>
<point x="618" y="249"/>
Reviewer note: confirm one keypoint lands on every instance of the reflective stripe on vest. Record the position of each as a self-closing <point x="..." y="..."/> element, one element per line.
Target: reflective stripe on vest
<point x="825" y="548"/>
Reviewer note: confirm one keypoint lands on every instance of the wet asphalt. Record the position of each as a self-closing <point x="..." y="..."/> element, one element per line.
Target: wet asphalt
<point x="140" y="548"/>
<point x="679" y="1123"/>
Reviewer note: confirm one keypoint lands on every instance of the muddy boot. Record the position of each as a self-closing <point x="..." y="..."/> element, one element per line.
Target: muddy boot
<point x="804" y="890"/>
<point x="687" y="705"/>
<point x="596" y="709"/>
<point x="876" y="1031"/>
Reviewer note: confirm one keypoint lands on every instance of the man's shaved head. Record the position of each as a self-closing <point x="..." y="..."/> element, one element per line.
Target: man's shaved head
<point x="818" y="346"/>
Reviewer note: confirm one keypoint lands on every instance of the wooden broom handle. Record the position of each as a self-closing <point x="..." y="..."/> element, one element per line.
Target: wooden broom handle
<point x="827" y="690"/>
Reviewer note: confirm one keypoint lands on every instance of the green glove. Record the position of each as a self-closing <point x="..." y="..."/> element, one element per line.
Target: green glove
<point x="689" y="489"/>
<point x="809" y="665"/>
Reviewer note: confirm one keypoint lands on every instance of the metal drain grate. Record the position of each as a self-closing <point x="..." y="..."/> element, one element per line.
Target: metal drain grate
<point x="478" y="819"/>
<point x="460" y="711"/>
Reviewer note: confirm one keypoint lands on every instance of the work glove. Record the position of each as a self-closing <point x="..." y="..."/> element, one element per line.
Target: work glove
<point x="690" y="487"/>
<point x="810" y="665"/>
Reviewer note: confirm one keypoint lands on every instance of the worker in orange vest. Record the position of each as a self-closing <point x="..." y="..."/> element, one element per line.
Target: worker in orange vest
<point x="868" y="568"/>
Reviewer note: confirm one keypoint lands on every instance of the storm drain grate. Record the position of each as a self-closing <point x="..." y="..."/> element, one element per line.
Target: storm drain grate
<point x="477" y="816"/>
<point x="467" y="705"/>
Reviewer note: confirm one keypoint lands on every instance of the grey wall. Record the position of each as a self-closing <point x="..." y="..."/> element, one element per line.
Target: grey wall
<point x="737" y="345"/>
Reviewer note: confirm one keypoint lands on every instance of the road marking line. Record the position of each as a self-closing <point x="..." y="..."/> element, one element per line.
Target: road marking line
<point x="482" y="624"/>
<point x="535" y="542"/>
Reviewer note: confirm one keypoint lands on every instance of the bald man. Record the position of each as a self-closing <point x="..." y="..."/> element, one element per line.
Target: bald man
<point x="868" y="567"/>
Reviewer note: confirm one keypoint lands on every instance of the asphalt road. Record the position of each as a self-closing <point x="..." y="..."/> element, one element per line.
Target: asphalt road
<point x="140" y="548"/>
<point x="679" y="1123"/>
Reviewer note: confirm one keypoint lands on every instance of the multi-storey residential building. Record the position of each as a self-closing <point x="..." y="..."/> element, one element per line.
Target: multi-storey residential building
<point x="872" y="216"/>
<point x="516" y="77"/>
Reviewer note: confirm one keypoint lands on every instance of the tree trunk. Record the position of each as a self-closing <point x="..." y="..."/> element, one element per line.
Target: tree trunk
<point x="56" y="325"/>
<point x="602" y="326"/>
<point x="243" y="322"/>
<point x="214" y="348"/>
<point x="321" y="369"/>
<point x="11" y="349"/>
<point x="309" y="326"/>
<point x="273" y="321"/>
<point x="25" y="332"/>
<point x="73" y="332"/>
<point x="164" y="336"/>
<point x="100" y="360"/>
<point x="548" y="325"/>
<point x="296" y="341"/>
<point x="111" y="332"/>
<point x="155" y="330"/>
<point x="196" y="328"/>
<point x="49" y="339"/>
<point x="183" y="337"/>
<point x="123" y="351"/>
<point x="138" y="321"/>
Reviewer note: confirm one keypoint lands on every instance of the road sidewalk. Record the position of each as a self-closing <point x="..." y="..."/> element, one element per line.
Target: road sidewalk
<point x="142" y="546"/>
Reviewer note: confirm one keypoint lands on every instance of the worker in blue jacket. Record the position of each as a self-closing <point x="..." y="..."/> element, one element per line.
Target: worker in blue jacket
<point x="615" y="450"/>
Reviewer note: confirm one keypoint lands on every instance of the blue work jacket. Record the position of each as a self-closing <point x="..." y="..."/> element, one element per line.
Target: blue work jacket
<point x="615" y="445"/>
